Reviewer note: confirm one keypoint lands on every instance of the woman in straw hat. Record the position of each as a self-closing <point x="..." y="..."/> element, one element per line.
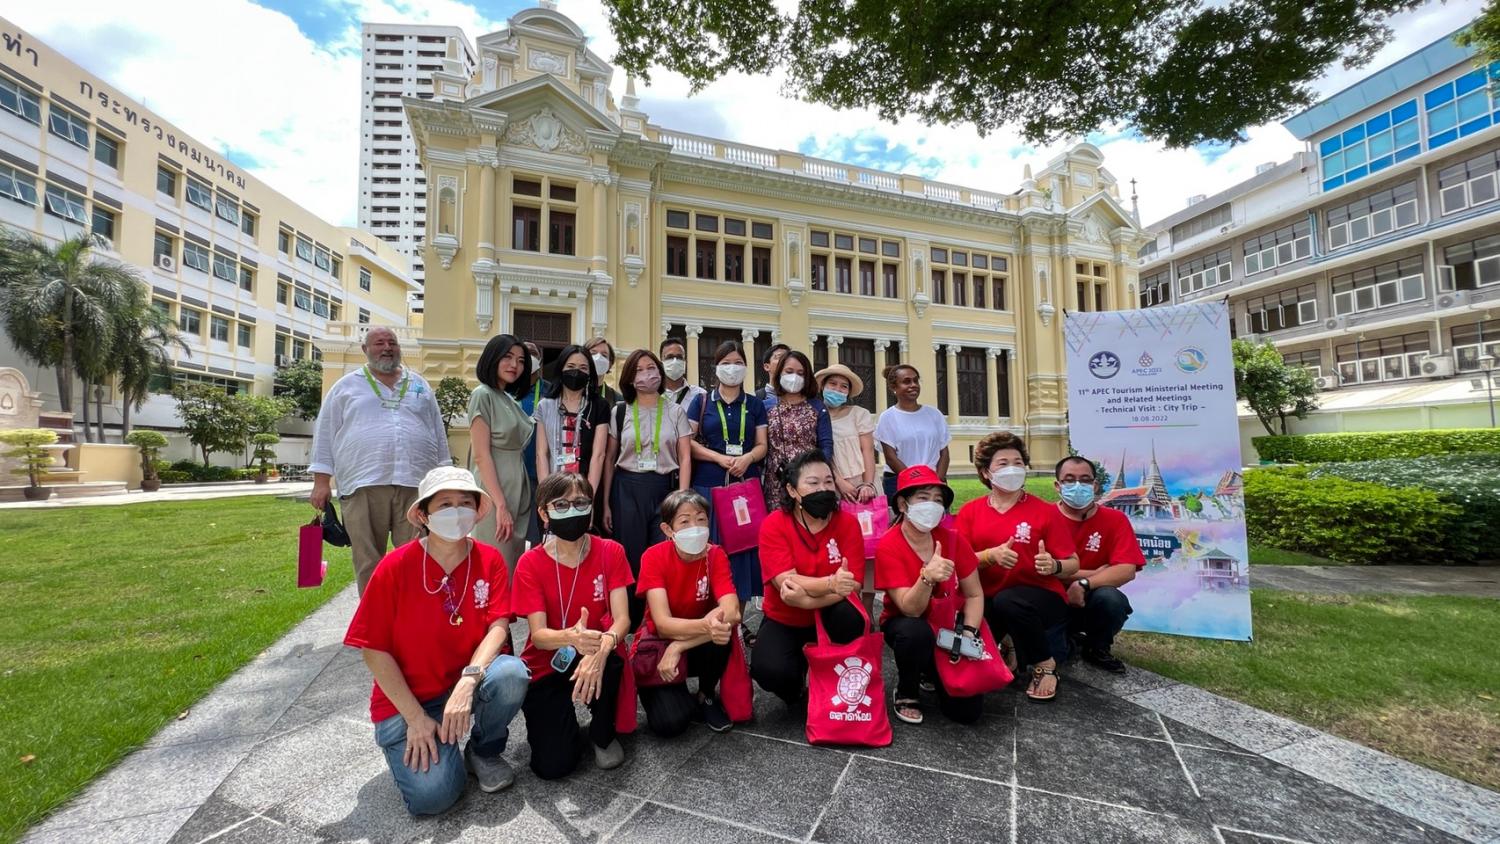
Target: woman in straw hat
<point x="853" y="433"/>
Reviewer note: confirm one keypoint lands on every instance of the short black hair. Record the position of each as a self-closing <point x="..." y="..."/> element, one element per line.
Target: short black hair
<point x="555" y="389"/>
<point x="771" y="352"/>
<point x="1057" y="470"/>
<point x="725" y="349"/>
<point x="498" y="347"/>
<point x="672" y="341"/>
<point x="809" y="383"/>
<point x="792" y="472"/>
<point x="673" y="504"/>
<point x="627" y="374"/>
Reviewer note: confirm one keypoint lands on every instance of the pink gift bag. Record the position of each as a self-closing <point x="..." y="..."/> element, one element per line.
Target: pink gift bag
<point x="311" y="567"/>
<point x="739" y="508"/>
<point x="873" y="518"/>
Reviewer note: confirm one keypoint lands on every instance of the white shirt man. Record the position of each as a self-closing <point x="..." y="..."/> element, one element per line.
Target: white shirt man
<point x="379" y="433"/>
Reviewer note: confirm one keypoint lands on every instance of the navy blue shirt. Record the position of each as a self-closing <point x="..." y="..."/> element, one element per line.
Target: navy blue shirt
<point x="528" y="406"/>
<point x="711" y="432"/>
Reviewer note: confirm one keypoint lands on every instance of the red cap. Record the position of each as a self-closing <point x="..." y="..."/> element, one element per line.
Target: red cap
<point x="916" y="477"/>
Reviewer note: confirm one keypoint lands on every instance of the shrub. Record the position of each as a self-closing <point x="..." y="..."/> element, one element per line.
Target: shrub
<point x="1375" y="445"/>
<point x="192" y="470"/>
<point x="27" y="450"/>
<point x="1469" y="481"/>
<point x="173" y="476"/>
<point x="1345" y="520"/>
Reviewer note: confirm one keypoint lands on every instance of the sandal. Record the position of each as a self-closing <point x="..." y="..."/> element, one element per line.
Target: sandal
<point x="1041" y="690"/>
<point x="907" y="709"/>
<point x="747" y="636"/>
<point x="1008" y="654"/>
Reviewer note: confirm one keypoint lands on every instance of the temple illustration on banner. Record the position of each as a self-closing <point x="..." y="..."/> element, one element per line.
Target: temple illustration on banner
<point x="1152" y="500"/>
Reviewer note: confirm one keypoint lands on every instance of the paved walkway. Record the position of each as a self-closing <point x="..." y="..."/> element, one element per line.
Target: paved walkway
<point x="1471" y="581"/>
<point x="197" y="492"/>
<point x="283" y="752"/>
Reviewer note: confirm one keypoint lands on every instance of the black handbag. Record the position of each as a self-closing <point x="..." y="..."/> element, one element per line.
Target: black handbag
<point x="333" y="529"/>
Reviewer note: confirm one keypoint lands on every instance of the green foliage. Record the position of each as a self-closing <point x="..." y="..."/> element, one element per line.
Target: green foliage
<point x="452" y="396"/>
<point x="1348" y="521"/>
<point x="1375" y="445"/>
<point x="172" y="476"/>
<point x="264" y="452"/>
<point x="27" y="450"/>
<point x="150" y="443"/>
<point x="1272" y="389"/>
<point x="210" y="418"/>
<point x="261" y="413"/>
<point x="1469" y="481"/>
<point x="302" y="382"/>
<point x="1178" y="71"/>
<point x="1483" y="35"/>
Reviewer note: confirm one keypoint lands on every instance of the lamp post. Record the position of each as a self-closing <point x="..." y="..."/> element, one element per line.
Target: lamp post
<point x="1488" y="363"/>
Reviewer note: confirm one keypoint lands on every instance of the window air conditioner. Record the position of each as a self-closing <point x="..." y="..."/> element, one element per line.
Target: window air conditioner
<point x="1449" y="300"/>
<point x="166" y="262"/>
<point x="1437" y="367"/>
<point x="1324" y="383"/>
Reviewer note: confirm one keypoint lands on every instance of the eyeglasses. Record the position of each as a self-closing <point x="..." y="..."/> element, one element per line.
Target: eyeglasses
<point x="559" y="508"/>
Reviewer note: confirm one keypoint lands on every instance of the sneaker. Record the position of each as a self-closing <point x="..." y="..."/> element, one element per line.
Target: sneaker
<point x="714" y="716"/>
<point x="494" y="774"/>
<point x="609" y="757"/>
<point x="1103" y="659"/>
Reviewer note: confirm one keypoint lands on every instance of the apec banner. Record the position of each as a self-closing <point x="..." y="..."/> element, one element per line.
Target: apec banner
<point x="1151" y="399"/>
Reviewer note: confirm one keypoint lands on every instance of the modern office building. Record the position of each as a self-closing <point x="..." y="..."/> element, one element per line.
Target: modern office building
<point x="251" y="277"/>
<point x="557" y="213"/>
<point x="1372" y="257"/>
<point x="398" y="61"/>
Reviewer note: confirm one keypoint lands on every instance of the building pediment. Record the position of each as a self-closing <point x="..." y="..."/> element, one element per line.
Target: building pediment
<point x="520" y="101"/>
<point x="1100" y="219"/>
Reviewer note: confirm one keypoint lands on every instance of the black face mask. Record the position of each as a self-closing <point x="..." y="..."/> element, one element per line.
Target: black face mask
<point x="574" y="379"/>
<point x="820" y="504"/>
<point x="572" y="528"/>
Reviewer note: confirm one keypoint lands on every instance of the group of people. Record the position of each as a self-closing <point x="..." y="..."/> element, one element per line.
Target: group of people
<point x="606" y="542"/>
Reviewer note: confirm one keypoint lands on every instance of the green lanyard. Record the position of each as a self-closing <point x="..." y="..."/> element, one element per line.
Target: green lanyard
<point x="536" y="393"/>
<point x="385" y="402"/>
<point x="635" y="417"/>
<point x="724" y="423"/>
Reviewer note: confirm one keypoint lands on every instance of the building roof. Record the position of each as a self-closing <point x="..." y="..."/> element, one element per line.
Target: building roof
<point x="1378" y="86"/>
<point x="1295" y="164"/>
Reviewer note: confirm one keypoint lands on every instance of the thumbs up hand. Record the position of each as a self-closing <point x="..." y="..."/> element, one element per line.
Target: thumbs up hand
<point x="585" y="640"/>
<point x="1045" y="564"/>
<point x="1003" y="555"/>
<point x="939" y="568"/>
<point x="844" y="583"/>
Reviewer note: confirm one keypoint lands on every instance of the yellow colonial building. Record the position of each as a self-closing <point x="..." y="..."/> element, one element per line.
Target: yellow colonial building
<point x="555" y="214"/>
<point x="252" y="278"/>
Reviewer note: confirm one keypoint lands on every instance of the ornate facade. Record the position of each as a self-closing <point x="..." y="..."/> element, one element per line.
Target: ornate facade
<point x="556" y="213"/>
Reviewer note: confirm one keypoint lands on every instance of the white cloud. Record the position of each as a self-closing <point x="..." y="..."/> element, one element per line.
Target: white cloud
<point x="291" y="105"/>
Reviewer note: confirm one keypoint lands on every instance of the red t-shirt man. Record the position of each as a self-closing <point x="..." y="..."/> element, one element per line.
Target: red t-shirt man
<point x="1104" y="539"/>
<point x="786" y="546"/>
<point x="543" y="585"/>
<point x="693" y="587"/>
<point x="897" y="565"/>
<point x="1030" y="523"/>
<point x="402" y="614"/>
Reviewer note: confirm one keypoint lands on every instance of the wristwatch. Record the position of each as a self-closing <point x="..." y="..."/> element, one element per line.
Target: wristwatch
<point x="1084" y="582"/>
<point x="472" y="671"/>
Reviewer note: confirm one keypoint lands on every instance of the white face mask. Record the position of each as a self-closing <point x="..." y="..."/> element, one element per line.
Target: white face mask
<point x="691" y="541"/>
<point x="453" y="523"/>
<point x="601" y="364"/>
<point x="926" y="515"/>
<point x="536" y="365"/>
<point x="674" y="367"/>
<point x="730" y="374"/>
<point x="1009" y="479"/>
<point x="791" y="382"/>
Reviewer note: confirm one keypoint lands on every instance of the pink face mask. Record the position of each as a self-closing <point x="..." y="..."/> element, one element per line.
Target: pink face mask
<point x="648" y="380"/>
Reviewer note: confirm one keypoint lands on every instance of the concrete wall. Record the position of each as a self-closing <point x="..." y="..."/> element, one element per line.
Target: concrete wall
<point x="107" y="462"/>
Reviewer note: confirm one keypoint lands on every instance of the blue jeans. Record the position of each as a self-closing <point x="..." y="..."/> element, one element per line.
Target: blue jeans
<point x="496" y="701"/>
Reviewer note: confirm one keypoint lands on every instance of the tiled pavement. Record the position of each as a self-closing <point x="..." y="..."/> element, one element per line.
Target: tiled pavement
<point x="283" y="752"/>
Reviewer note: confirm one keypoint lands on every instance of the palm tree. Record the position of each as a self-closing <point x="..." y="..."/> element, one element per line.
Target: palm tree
<point x="58" y="304"/>
<point x="143" y="336"/>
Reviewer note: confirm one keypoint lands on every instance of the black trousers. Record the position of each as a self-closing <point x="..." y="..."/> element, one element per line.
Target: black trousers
<point x="635" y="505"/>
<point x="1026" y="613"/>
<point x="914" y="644"/>
<point x="670" y="709"/>
<point x="778" y="665"/>
<point x="1100" y="618"/>
<point x="552" y="726"/>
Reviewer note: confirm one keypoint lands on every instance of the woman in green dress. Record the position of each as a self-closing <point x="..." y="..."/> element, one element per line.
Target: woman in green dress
<point x="498" y="432"/>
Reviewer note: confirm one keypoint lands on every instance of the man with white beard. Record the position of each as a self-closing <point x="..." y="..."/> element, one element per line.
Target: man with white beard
<point x="379" y="433"/>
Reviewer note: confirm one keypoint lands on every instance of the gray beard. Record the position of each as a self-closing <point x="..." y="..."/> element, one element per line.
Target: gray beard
<point x="385" y="367"/>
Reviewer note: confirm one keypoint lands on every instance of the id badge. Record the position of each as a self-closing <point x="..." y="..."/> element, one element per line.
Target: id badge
<point x="646" y="463"/>
<point x="734" y="450"/>
<point x="563" y="658"/>
<point x="562" y="461"/>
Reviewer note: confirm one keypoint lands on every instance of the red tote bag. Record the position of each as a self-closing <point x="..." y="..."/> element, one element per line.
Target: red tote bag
<point x="845" y="691"/>
<point x="967" y="677"/>
<point x="874" y="520"/>
<point x="626" y="717"/>
<point x="310" y="565"/>
<point x="735" y="692"/>
<point x="739" y="508"/>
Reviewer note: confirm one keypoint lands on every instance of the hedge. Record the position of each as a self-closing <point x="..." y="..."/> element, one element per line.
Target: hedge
<point x="1470" y="481"/>
<point x="1375" y="445"/>
<point x="1348" y="521"/>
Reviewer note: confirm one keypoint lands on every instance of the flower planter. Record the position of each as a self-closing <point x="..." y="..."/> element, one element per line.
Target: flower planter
<point x="37" y="493"/>
<point x="151" y="485"/>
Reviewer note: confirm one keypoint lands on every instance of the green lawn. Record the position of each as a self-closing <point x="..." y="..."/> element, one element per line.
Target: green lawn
<point x="1412" y="676"/>
<point x="119" y="618"/>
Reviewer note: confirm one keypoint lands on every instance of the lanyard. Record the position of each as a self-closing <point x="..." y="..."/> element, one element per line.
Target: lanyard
<point x="719" y="406"/>
<point x="567" y="605"/>
<point x="635" y="417"/>
<point x="536" y="393"/>
<point x="405" y="382"/>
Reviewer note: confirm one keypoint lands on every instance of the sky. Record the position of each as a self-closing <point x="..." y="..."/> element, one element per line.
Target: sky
<point x="275" y="85"/>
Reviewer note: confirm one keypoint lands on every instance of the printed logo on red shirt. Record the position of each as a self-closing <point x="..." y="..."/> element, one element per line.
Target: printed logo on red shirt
<point x="703" y="588"/>
<point x="599" y="588"/>
<point x="834" y="557"/>
<point x="1023" y="532"/>
<point x="481" y="594"/>
<point x="1093" y="543"/>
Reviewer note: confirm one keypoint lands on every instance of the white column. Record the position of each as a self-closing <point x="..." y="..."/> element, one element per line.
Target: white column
<point x="952" y="352"/>
<point x="992" y="386"/>
<point x="834" y="341"/>
<point x="880" y="365"/>
<point x="692" y="346"/>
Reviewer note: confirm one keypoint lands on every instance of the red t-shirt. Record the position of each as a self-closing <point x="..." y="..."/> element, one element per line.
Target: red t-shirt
<point x="693" y="588"/>
<point x="543" y="585"/>
<point x="786" y="546"/>
<point x="1030" y="521"/>
<point x="897" y="565"/>
<point x="1104" y="539"/>
<point x="397" y="615"/>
